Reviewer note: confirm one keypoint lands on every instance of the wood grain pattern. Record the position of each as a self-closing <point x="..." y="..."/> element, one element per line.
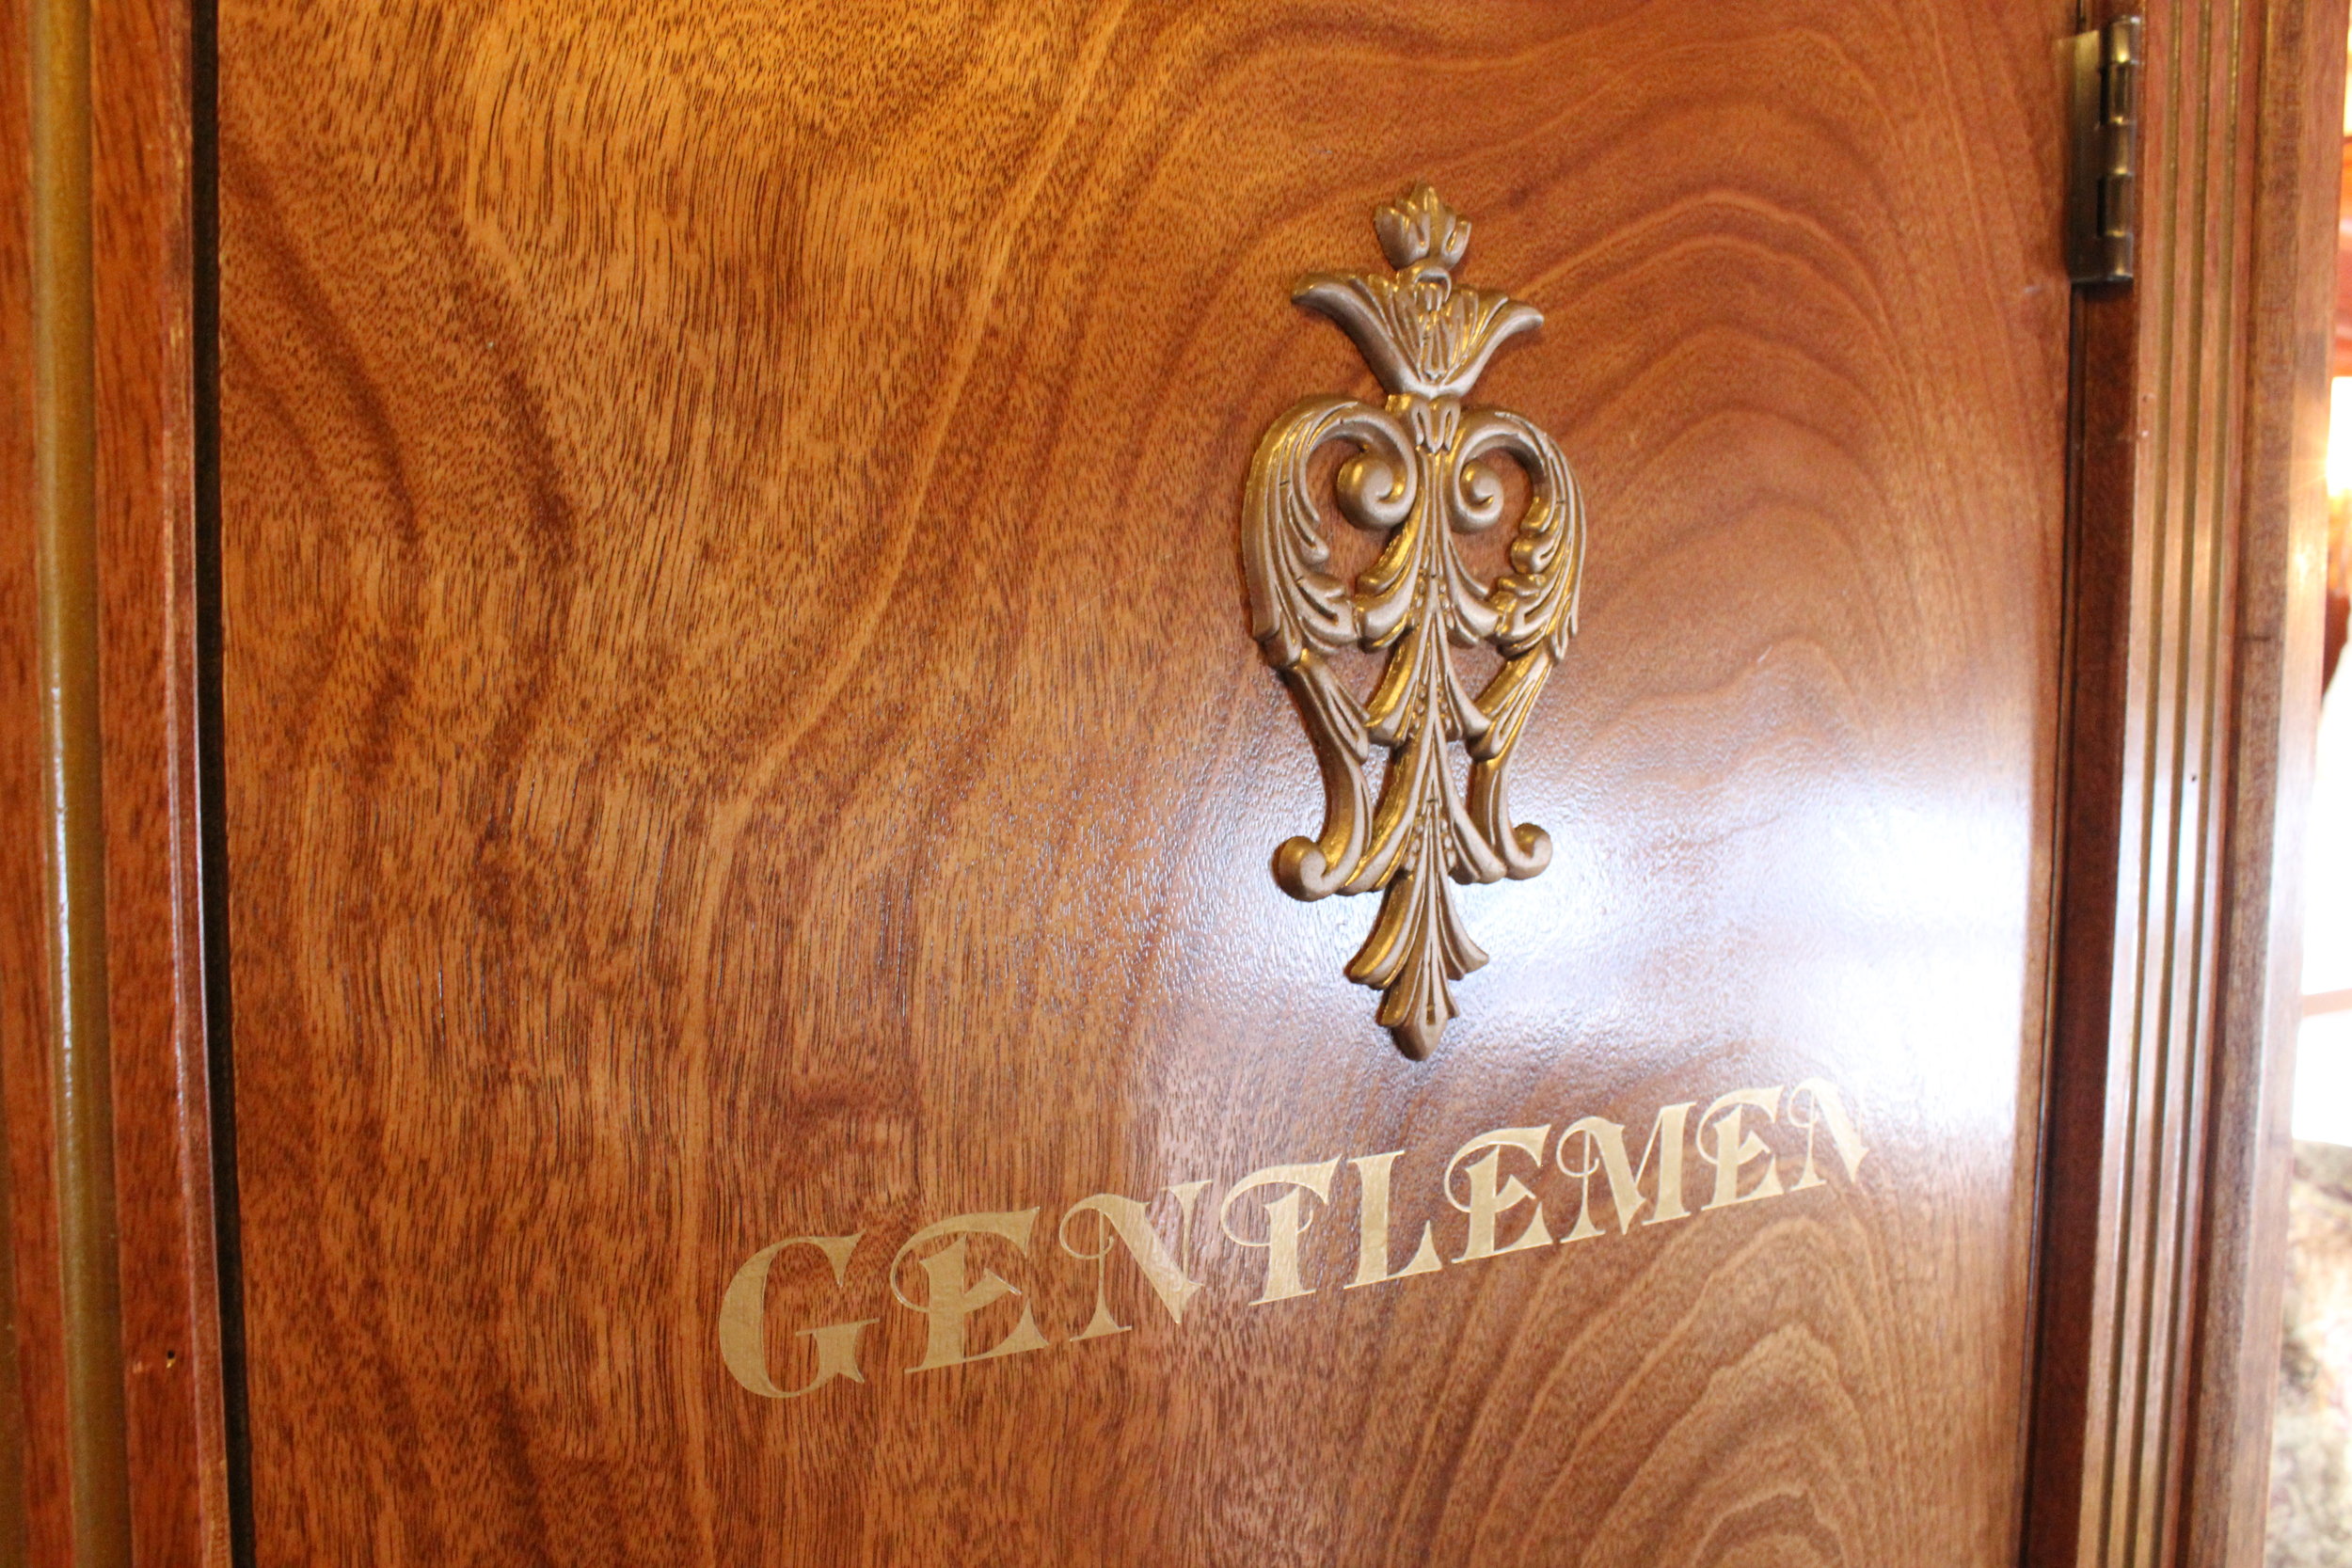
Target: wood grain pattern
<point x="740" y="723"/>
<point x="2202" y="424"/>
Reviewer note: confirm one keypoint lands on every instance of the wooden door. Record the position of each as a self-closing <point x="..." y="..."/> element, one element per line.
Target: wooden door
<point x="759" y="1006"/>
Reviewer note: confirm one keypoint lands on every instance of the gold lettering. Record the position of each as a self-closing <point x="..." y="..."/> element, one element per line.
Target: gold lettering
<point x="1489" y="1201"/>
<point x="1735" y="1146"/>
<point x="952" y="1298"/>
<point x="1826" y="1107"/>
<point x="1371" y="1229"/>
<point x="743" y="1322"/>
<point x="1605" y="1147"/>
<point x="1129" y="1222"/>
<point x="1284" y="1222"/>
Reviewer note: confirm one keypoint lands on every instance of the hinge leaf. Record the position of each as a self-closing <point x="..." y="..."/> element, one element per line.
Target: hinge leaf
<point x="2101" y="209"/>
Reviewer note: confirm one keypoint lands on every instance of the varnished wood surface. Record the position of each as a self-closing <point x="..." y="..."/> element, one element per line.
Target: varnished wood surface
<point x="144" y="256"/>
<point x="133" y="1469"/>
<point x="65" y="1313"/>
<point x="32" y="1399"/>
<point x="741" y="723"/>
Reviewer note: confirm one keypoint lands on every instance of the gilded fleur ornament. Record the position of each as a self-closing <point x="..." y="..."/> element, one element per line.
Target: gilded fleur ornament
<point x="1419" y="475"/>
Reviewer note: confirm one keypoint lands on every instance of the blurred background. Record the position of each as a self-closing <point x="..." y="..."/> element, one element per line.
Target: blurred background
<point x="2311" y="1474"/>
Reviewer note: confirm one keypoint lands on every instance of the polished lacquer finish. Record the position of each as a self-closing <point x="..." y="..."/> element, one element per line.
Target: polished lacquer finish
<point x="763" y="1028"/>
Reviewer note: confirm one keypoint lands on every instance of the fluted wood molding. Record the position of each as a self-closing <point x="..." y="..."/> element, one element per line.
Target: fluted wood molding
<point x="111" y="1388"/>
<point x="2200" y="428"/>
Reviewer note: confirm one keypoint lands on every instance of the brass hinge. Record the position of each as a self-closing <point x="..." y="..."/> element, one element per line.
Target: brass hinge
<point x="2100" y="205"/>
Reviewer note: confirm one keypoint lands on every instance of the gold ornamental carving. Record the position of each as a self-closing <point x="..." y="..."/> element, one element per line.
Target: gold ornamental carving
<point x="1419" y="475"/>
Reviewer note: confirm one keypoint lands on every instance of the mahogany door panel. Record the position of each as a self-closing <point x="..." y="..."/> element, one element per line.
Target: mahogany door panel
<point x="743" y="730"/>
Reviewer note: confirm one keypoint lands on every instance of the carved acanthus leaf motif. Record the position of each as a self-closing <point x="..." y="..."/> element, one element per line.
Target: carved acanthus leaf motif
<point x="1419" y="474"/>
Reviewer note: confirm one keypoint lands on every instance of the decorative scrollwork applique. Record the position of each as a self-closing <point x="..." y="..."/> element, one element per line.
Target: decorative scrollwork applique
<point x="1417" y="475"/>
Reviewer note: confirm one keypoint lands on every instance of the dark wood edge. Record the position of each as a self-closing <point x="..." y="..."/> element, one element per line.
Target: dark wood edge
<point x="144" y="193"/>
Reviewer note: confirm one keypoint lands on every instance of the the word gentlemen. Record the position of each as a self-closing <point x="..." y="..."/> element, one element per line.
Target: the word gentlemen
<point x="1269" y="1211"/>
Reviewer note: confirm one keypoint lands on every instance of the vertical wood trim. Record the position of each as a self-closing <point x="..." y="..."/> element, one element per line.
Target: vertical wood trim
<point x="103" y="1074"/>
<point x="32" y="1523"/>
<point x="2162" y="1174"/>
<point x="2297" y="108"/>
<point x="64" y="506"/>
<point x="144" y="307"/>
<point x="2160" y="997"/>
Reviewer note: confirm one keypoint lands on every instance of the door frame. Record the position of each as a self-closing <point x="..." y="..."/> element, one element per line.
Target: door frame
<point x="2195" y="569"/>
<point x="2197" y="515"/>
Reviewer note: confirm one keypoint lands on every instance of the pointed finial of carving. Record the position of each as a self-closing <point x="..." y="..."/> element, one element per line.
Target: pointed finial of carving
<point x="1417" y="1037"/>
<point x="1417" y="226"/>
